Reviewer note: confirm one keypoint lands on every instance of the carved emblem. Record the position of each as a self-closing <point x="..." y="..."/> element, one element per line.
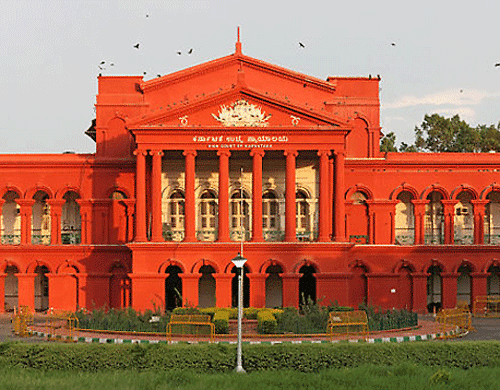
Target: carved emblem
<point x="183" y="120"/>
<point x="295" y="120"/>
<point x="242" y="113"/>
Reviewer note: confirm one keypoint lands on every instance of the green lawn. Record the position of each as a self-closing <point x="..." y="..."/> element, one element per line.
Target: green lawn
<point x="400" y="377"/>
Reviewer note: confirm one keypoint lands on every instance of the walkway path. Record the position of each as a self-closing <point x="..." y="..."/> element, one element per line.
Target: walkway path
<point x="426" y="330"/>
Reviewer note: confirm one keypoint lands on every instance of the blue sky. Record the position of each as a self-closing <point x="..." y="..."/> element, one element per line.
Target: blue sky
<point x="442" y="62"/>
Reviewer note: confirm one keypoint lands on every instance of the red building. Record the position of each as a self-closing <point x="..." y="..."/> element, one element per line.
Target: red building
<point x="239" y="153"/>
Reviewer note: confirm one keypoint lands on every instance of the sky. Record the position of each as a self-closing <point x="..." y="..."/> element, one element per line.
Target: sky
<point x="433" y="56"/>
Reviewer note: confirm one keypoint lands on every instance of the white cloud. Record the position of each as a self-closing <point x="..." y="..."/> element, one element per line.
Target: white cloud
<point x="467" y="114"/>
<point x="450" y="97"/>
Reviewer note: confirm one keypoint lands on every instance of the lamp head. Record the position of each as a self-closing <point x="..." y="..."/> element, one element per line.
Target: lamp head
<point x="239" y="261"/>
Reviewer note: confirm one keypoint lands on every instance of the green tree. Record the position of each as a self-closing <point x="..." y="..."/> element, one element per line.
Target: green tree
<point x="388" y="143"/>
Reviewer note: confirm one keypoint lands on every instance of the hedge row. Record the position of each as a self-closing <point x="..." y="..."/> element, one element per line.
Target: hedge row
<point x="221" y="357"/>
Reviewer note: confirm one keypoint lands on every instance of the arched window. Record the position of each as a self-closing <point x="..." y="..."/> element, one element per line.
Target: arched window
<point x="118" y="219"/>
<point x="11" y="219"/>
<point x="464" y="220"/>
<point x="173" y="218"/>
<point x="303" y="217"/>
<point x="208" y="216"/>
<point x="358" y="218"/>
<point x="434" y="221"/>
<point x="405" y="219"/>
<point x="240" y="221"/>
<point x="270" y="217"/>
<point x="71" y="225"/>
<point x="40" y="219"/>
<point x="491" y="219"/>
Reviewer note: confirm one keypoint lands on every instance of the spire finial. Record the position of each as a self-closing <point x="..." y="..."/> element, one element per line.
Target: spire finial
<point x="238" y="43"/>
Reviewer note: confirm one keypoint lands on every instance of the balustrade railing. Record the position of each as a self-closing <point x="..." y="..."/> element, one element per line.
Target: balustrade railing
<point x="73" y="237"/>
<point x="11" y="239"/>
<point x="273" y="235"/>
<point x="173" y="235"/>
<point x="206" y="235"/>
<point x="236" y="235"/>
<point x="40" y="239"/>
<point x="405" y="236"/>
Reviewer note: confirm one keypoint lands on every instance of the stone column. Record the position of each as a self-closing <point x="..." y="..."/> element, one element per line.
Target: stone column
<point x="156" y="228"/>
<point x="449" y="220"/>
<point x="419" y="226"/>
<point x="419" y="293"/>
<point x="290" y="214"/>
<point x="290" y="290"/>
<point x="223" y="289"/>
<point x="85" y="218"/>
<point x="223" y="195"/>
<point x="479" y="211"/>
<point x="324" y="219"/>
<point x="55" y="220"/>
<point x="190" y="289"/>
<point x="339" y="203"/>
<point x="190" y="212"/>
<point x="331" y="181"/>
<point x="26" y="212"/>
<point x="140" y="189"/>
<point x="257" y="195"/>
<point x="257" y="289"/>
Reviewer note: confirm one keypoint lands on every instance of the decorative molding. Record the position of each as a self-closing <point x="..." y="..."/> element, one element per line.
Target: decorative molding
<point x="241" y="113"/>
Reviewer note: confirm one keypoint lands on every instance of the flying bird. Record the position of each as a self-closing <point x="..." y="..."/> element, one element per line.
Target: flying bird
<point x="100" y="67"/>
<point x="102" y="62"/>
<point x="158" y="75"/>
<point x="136" y="45"/>
<point x="147" y="15"/>
<point x="393" y="44"/>
<point x="190" y="51"/>
<point x="461" y="90"/>
<point x="179" y="53"/>
<point x="497" y="64"/>
<point x="301" y="44"/>
<point x="112" y="64"/>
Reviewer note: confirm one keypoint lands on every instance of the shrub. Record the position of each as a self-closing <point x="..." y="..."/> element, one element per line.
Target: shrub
<point x="221" y="321"/>
<point x="266" y="322"/>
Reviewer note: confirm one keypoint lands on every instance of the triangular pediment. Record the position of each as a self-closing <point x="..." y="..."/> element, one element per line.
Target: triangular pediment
<point x="237" y="107"/>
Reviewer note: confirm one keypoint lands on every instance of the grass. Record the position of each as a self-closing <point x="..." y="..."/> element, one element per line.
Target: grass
<point x="403" y="376"/>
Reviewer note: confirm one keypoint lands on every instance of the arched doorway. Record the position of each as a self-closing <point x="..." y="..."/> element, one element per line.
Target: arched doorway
<point x="405" y="219"/>
<point x="11" y="219"/>
<point x="246" y="288"/>
<point x="434" y="288"/>
<point x="119" y="288"/>
<point x="41" y="288"/>
<point x="40" y="219"/>
<point x="274" y="286"/>
<point x="307" y="285"/>
<point x="206" y="287"/>
<point x="434" y="221"/>
<point x="464" y="283"/>
<point x="493" y="281"/>
<point x="492" y="219"/>
<point x="358" y="219"/>
<point x="464" y="220"/>
<point x="11" y="288"/>
<point x="71" y="225"/>
<point x="173" y="287"/>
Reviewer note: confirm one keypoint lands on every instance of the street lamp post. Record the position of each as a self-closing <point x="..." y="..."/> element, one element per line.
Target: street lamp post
<point x="239" y="261"/>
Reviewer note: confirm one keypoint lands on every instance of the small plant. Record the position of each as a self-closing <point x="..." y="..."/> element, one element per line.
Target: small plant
<point x="440" y="376"/>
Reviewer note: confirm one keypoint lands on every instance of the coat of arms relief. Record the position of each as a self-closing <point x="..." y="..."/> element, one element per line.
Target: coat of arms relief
<point x="242" y="113"/>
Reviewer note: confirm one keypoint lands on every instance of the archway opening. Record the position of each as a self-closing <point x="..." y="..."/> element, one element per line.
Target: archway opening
<point x="11" y="288"/>
<point x="492" y="219"/>
<point x="358" y="219"/>
<point x="41" y="288"/>
<point x="434" y="221"/>
<point x="71" y="225"/>
<point x="40" y="219"/>
<point x="405" y="219"/>
<point x="464" y="284"/>
<point x="464" y="220"/>
<point x="274" y="286"/>
<point x="206" y="287"/>
<point x="173" y="288"/>
<point x="307" y="285"/>
<point x="246" y="288"/>
<point x="434" y="288"/>
<point x="11" y="219"/>
<point x="493" y="281"/>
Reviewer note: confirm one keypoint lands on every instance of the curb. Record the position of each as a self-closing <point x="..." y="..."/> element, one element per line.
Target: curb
<point x="105" y="340"/>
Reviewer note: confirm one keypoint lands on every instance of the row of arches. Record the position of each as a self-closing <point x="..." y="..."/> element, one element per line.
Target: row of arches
<point x="173" y="214"/>
<point x="470" y="221"/>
